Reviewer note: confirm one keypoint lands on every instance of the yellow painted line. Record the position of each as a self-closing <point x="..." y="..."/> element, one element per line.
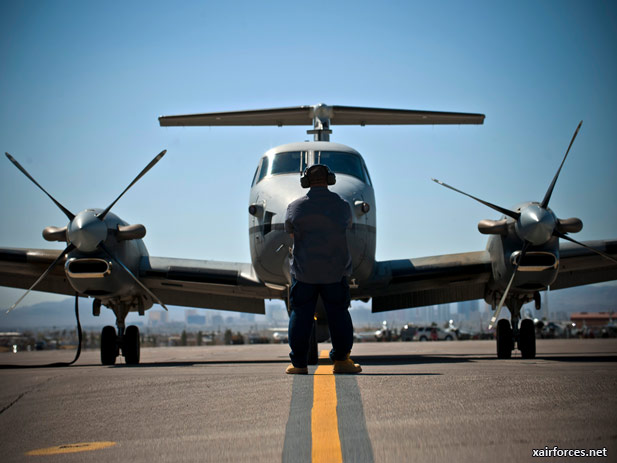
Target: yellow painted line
<point x="324" y="422"/>
<point x="72" y="448"/>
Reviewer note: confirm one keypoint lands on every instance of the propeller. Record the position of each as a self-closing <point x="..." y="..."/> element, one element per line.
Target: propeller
<point x="567" y="238"/>
<point x="549" y="192"/>
<point x="503" y="210"/>
<point x="156" y="159"/>
<point x="68" y="213"/>
<point x="86" y="231"/>
<point x="535" y="224"/>
<point x="69" y="248"/>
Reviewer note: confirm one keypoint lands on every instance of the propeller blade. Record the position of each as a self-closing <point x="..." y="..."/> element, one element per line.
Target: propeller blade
<point x="509" y="213"/>
<point x="150" y="293"/>
<point x="69" y="248"/>
<point x="549" y="192"/>
<point x="503" y="299"/>
<point x="68" y="213"/>
<point x="505" y="294"/>
<point x="141" y="174"/>
<point x="566" y="237"/>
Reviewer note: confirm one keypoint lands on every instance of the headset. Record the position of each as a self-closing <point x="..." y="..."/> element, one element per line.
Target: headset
<point x="306" y="175"/>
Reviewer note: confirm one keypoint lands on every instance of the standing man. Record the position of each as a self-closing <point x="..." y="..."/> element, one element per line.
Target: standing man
<point x="320" y="265"/>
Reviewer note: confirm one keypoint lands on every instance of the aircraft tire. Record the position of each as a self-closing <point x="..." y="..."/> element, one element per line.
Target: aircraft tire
<point x="527" y="339"/>
<point x="313" y="354"/>
<point x="504" y="339"/>
<point x="130" y="345"/>
<point x="109" y="346"/>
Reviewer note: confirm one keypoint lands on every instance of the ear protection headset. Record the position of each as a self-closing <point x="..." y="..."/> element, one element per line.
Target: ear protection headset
<point x="306" y="175"/>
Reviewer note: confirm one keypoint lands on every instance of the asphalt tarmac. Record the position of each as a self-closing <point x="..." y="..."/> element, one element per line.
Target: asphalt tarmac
<point x="434" y="401"/>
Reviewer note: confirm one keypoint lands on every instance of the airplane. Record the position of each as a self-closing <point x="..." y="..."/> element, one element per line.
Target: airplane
<point x="106" y="258"/>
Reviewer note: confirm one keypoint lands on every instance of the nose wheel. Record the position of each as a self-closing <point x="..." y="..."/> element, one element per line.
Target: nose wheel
<point x="111" y="344"/>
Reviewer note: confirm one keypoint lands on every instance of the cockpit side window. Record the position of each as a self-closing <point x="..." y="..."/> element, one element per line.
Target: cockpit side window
<point x="264" y="168"/>
<point x="368" y="177"/>
<point x="288" y="163"/>
<point x="255" y="175"/>
<point x="342" y="163"/>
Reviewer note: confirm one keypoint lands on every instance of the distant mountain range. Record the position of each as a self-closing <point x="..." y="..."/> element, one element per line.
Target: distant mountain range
<point x="596" y="298"/>
<point x="60" y="314"/>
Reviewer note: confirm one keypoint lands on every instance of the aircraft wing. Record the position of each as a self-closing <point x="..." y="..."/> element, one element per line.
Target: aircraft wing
<point x="207" y="284"/>
<point x="418" y="282"/>
<point x="185" y="282"/>
<point x="19" y="268"/>
<point x="579" y="266"/>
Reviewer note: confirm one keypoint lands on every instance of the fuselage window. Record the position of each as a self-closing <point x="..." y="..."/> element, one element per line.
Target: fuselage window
<point x="288" y="163"/>
<point x="342" y="163"/>
<point x="264" y="168"/>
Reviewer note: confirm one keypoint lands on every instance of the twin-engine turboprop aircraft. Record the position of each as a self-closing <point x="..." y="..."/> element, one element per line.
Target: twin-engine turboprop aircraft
<point x="106" y="259"/>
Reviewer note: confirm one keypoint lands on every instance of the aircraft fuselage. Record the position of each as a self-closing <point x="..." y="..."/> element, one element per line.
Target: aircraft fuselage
<point x="277" y="183"/>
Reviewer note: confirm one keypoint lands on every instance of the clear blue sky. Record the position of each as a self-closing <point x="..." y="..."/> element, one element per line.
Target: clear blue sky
<point x="82" y="84"/>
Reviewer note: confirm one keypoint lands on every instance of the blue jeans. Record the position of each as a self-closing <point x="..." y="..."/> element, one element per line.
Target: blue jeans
<point x="303" y="299"/>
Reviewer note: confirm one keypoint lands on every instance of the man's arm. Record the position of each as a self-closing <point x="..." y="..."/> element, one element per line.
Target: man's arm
<point x="349" y="215"/>
<point x="289" y="228"/>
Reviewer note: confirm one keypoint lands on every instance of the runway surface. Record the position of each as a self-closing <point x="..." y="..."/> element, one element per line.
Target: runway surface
<point x="443" y="401"/>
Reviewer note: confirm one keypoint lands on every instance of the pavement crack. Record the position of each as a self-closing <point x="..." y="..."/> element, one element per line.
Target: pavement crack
<point x="21" y="396"/>
<point x="13" y="403"/>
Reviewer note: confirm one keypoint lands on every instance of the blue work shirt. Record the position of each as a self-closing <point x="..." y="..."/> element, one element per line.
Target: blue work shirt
<point x="319" y="223"/>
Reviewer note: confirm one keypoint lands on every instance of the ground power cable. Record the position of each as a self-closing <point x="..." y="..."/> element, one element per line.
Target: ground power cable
<point x="58" y="364"/>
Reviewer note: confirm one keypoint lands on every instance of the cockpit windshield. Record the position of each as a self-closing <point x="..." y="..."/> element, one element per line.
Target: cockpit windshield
<point x="288" y="163"/>
<point x="343" y="163"/>
<point x="294" y="162"/>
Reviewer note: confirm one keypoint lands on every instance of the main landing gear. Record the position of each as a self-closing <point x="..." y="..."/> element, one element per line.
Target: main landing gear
<point x="126" y="341"/>
<point x="524" y="336"/>
<point x="112" y="345"/>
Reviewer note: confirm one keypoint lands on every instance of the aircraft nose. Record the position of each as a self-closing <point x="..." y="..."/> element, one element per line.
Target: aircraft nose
<point x="86" y="231"/>
<point x="535" y="224"/>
